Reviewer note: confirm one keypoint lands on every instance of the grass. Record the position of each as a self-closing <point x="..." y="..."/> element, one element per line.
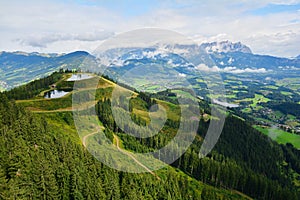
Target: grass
<point x="247" y="110"/>
<point x="292" y="83"/>
<point x="231" y="96"/>
<point x="233" y="81"/>
<point x="286" y="93"/>
<point x="183" y="94"/>
<point x="286" y="81"/>
<point x="272" y="87"/>
<point x="47" y="104"/>
<point x="259" y="98"/>
<point x="39" y="103"/>
<point x="292" y="123"/>
<point x="173" y="111"/>
<point x="291" y="117"/>
<point x="280" y="136"/>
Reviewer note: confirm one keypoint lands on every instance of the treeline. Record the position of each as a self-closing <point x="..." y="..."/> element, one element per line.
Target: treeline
<point x="222" y="172"/>
<point x="286" y="108"/>
<point x="247" y="161"/>
<point x="33" y="88"/>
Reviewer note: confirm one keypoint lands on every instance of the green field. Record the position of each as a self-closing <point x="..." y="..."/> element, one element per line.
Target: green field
<point x="274" y="87"/>
<point x="286" y="93"/>
<point x="259" y="98"/>
<point x="280" y="136"/>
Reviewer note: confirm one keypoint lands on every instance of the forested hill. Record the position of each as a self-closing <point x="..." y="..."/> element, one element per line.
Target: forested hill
<point x="42" y="157"/>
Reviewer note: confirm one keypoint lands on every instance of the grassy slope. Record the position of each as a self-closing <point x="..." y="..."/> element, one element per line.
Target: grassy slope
<point x="60" y="119"/>
<point x="280" y="136"/>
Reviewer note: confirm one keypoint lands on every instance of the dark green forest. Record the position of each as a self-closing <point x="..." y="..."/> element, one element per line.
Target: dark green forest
<point x="243" y="159"/>
<point x="40" y="162"/>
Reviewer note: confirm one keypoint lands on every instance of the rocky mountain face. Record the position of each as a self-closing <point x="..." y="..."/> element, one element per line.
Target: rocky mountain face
<point x="225" y="47"/>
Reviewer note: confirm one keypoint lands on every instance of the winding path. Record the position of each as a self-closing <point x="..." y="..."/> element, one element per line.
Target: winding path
<point x="133" y="158"/>
<point x="84" y="142"/>
<point x="86" y="136"/>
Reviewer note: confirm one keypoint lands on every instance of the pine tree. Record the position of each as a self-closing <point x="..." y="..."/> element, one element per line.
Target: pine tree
<point x="3" y="184"/>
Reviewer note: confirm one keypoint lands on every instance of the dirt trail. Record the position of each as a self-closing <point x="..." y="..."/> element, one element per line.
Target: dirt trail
<point x="86" y="136"/>
<point x="133" y="158"/>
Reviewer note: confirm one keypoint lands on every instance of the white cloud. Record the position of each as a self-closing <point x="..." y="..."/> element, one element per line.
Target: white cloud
<point x="65" y="26"/>
<point x="234" y="70"/>
<point x="44" y="40"/>
<point x="204" y="67"/>
<point x="181" y="75"/>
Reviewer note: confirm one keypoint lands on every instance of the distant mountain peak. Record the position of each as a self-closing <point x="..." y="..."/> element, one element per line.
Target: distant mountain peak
<point x="80" y="53"/>
<point x="225" y="47"/>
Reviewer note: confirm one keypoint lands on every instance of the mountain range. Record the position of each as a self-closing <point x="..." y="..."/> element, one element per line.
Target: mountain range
<point x="17" y="68"/>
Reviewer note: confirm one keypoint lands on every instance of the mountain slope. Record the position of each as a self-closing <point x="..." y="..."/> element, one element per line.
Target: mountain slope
<point x="45" y="159"/>
<point x="242" y="60"/>
<point x="243" y="159"/>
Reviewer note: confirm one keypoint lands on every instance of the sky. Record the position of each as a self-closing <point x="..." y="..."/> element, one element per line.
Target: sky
<point x="269" y="27"/>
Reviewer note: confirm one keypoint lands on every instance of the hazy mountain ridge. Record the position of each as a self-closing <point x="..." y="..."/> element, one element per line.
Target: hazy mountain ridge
<point x="246" y="60"/>
<point x="20" y="67"/>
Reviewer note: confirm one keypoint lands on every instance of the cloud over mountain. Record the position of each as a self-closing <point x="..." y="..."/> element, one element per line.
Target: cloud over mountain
<point x="234" y="70"/>
<point x="268" y="26"/>
<point x="43" y="40"/>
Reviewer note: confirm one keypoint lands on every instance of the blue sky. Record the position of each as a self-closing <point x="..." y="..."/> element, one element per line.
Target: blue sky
<point x="266" y="26"/>
<point x="270" y="9"/>
<point x="128" y="8"/>
<point x="133" y="8"/>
